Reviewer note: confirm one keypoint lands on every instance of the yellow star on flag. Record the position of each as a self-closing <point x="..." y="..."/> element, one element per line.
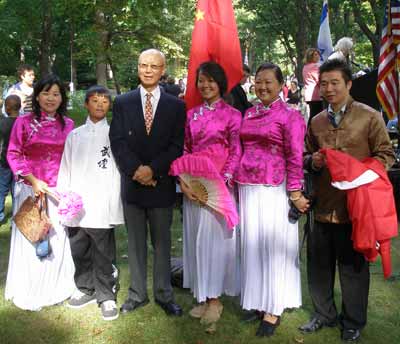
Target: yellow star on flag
<point x="199" y="15"/>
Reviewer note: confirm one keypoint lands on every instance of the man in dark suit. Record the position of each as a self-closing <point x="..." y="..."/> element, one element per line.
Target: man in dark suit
<point x="238" y="98"/>
<point x="146" y="135"/>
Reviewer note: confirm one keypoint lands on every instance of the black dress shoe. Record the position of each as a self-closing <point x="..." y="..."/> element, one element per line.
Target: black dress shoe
<point x="250" y="316"/>
<point x="170" y="308"/>
<point x="131" y="305"/>
<point x="350" y="334"/>
<point x="267" y="329"/>
<point x="315" y="324"/>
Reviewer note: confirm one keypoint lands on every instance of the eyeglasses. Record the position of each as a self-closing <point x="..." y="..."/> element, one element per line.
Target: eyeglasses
<point x="154" y="68"/>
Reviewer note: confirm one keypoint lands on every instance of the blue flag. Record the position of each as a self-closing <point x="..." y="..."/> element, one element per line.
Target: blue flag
<point x="324" y="36"/>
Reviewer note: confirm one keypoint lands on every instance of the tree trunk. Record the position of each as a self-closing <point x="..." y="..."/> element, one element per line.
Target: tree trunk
<point x="114" y="73"/>
<point x="374" y="37"/>
<point x="301" y="37"/>
<point x="101" y="58"/>
<point x="73" y="75"/>
<point x="45" y="44"/>
<point x="21" y="54"/>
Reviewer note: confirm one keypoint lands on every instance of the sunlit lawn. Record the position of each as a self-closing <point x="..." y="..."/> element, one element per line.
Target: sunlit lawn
<point x="59" y="324"/>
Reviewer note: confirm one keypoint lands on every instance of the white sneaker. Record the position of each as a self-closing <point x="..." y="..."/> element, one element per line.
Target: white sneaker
<point x="79" y="299"/>
<point x="109" y="310"/>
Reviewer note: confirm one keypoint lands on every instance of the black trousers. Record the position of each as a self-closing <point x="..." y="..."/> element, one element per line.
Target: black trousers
<point x="328" y="245"/>
<point x="93" y="252"/>
<point x="159" y="221"/>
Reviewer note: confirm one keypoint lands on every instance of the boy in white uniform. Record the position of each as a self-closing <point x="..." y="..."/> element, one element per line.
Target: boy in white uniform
<point x="88" y="168"/>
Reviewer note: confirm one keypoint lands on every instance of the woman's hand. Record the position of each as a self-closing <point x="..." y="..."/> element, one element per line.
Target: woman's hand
<point x="302" y="204"/>
<point x="38" y="185"/>
<point x="188" y="192"/>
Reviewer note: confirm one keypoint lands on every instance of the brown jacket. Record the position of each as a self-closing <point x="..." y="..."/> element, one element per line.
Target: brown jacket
<point x="361" y="133"/>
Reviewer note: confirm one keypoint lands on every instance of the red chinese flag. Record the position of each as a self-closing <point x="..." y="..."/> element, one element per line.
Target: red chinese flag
<point x="214" y="37"/>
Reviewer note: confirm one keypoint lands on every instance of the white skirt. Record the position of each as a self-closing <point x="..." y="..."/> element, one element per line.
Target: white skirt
<point x="270" y="271"/>
<point x="210" y="259"/>
<point x="33" y="283"/>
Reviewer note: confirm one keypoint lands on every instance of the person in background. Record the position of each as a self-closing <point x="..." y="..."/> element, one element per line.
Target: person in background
<point x="270" y="174"/>
<point x="251" y="96"/>
<point x="294" y="94"/>
<point x="88" y="169"/>
<point x="358" y="130"/>
<point x="182" y="85"/>
<point x="343" y="50"/>
<point x="310" y="80"/>
<point x="163" y="82"/>
<point x="12" y="106"/>
<point x="34" y="154"/>
<point x="393" y="124"/>
<point x="209" y="246"/>
<point x="24" y="88"/>
<point x="171" y="87"/>
<point x="237" y="97"/>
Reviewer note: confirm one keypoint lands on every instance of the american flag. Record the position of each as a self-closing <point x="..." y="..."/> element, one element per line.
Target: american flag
<point x="387" y="88"/>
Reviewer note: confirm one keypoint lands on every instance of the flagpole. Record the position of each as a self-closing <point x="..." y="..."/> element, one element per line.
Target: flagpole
<point x="396" y="110"/>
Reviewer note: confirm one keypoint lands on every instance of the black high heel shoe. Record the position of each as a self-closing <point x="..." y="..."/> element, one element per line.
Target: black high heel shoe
<point x="267" y="329"/>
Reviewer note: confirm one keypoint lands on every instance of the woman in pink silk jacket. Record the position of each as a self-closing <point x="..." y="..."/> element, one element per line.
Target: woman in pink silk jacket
<point x="34" y="154"/>
<point x="270" y="173"/>
<point x="209" y="249"/>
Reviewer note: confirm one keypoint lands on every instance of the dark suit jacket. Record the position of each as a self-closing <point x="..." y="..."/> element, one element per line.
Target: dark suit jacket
<point x="239" y="99"/>
<point x="132" y="146"/>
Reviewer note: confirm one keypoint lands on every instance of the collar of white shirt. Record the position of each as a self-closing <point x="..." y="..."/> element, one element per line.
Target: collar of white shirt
<point x="156" y="93"/>
<point x="336" y="117"/>
<point x="96" y="125"/>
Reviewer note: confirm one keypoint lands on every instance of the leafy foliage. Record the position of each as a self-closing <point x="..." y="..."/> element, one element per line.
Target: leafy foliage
<point x="86" y="34"/>
<point x="281" y="31"/>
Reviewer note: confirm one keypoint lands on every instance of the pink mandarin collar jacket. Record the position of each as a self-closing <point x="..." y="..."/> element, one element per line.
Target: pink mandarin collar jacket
<point x="217" y="125"/>
<point x="36" y="146"/>
<point x="273" y="141"/>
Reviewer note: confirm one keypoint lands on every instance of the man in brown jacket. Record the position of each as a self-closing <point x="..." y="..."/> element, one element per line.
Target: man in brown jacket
<point x="358" y="130"/>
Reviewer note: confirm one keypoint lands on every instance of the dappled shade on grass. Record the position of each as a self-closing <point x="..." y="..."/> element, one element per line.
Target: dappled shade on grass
<point x="150" y="325"/>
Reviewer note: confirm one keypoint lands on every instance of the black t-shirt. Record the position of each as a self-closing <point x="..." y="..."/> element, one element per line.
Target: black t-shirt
<point x="294" y="97"/>
<point x="6" y="124"/>
<point x="238" y="99"/>
<point x="173" y="89"/>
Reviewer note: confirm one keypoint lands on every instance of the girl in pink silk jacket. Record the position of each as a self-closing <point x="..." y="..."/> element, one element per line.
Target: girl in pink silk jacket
<point x="270" y="172"/>
<point x="209" y="250"/>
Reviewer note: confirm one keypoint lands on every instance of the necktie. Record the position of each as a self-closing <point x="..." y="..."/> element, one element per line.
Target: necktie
<point x="148" y="113"/>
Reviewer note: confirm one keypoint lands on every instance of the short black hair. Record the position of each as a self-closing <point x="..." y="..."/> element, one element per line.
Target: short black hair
<point x="246" y="68"/>
<point x="170" y="79"/>
<point x="215" y="71"/>
<point x="336" y="65"/>
<point x="13" y="101"/>
<point x="22" y="69"/>
<point x="275" y="68"/>
<point x="97" y="89"/>
<point x="45" y="84"/>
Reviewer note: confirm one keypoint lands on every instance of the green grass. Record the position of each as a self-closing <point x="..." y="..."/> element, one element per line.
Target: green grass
<point x="60" y="325"/>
